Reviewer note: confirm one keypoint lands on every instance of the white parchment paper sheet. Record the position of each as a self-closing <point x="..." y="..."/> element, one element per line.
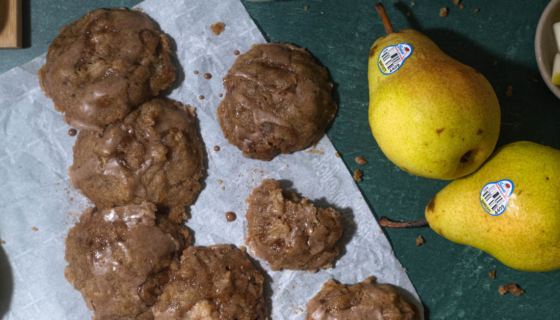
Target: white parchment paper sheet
<point x="35" y="152"/>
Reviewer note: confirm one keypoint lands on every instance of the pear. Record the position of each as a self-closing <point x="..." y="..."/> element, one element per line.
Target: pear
<point x="525" y="236"/>
<point x="431" y="115"/>
<point x="556" y="70"/>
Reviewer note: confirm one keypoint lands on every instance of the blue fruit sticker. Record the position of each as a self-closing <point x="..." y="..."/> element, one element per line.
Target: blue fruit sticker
<point x="392" y="57"/>
<point x="495" y="195"/>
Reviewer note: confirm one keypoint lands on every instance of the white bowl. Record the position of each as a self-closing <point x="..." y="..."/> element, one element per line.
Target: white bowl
<point x="545" y="44"/>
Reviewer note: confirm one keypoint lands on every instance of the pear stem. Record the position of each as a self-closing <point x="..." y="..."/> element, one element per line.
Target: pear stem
<point x="386" y="22"/>
<point x="384" y="222"/>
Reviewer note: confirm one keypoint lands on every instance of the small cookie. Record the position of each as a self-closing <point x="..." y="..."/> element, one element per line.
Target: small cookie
<point x="278" y="100"/>
<point x="365" y="301"/>
<point x="153" y="155"/>
<point x="101" y="66"/>
<point x="288" y="232"/>
<point x="120" y="258"/>
<point x="216" y="282"/>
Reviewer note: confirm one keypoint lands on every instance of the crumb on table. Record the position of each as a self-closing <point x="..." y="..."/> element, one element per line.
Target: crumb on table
<point x="358" y="175"/>
<point x="509" y="91"/>
<point x="511" y="288"/>
<point x="532" y="78"/>
<point x="218" y="28"/>
<point x="476" y="10"/>
<point x="443" y="12"/>
<point x="456" y="2"/>
<point x="492" y="274"/>
<point x="419" y="241"/>
<point x="361" y="160"/>
<point x="461" y="6"/>
<point x="305" y="8"/>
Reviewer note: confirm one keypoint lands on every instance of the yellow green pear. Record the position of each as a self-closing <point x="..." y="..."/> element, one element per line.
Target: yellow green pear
<point x="431" y="115"/>
<point x="526" y="235"/>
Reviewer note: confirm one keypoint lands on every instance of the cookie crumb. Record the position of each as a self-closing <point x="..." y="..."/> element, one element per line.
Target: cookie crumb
<point x="408" y="14"/>
<point x="72" y="132"/>
<point x="195" y="71"/>
<point x="34" y="229"/>
<point x="220" y="95"/>
<point x="207" y="76"/>
<point x="218" y="28"/>
<point x="216" y="148"/>
<point x="420" y="241"/>
<point x="360" y="160"/>
<point x="413" y="3"/>
<point x="480" y="26"/>
<point x="532" y="78"/>
<point x="305" y="8"/>
<point x="300" y="309"/>
<point x="219" y="182"/>
<point x="230" y="216"/>
<point x="456" y="2"/>
<point x="358" y="175"/>
<point x="201" y="97"/>
<point x="223" y="188"/>
<point x="236" y="52"/>
<point x="443" y="12"/>
<point x="461" y="6"/>
<point x="380" y="231"/>
<point x="243" y="248"/>
<point x="511" y="288"/>
<point x="336" y="154"/>
<point x="476" y="10"/>
<point x="509" y="92"/>
<point x="492" y="274"/>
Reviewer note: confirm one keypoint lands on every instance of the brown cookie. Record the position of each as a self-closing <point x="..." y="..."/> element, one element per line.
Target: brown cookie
<point x="278" y="100"/>
<point x="101" y="66"/>
<point x="288" y="232"/>
<point x="365" y="301"/>
<point x="216" y="282"/>
<point x="153" y="155"/>
<point x="120" y="258"/>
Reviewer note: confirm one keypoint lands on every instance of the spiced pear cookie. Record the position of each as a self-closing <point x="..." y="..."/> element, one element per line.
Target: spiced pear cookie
<point x="289" y="233"/>
<point x="119" y="259"/>
<point x="152" y="155"/>
<point x="216" y="282"/>
<point x="99" y="67"/>
<point x="363" y="301"/>
<point x="278" y="100"/>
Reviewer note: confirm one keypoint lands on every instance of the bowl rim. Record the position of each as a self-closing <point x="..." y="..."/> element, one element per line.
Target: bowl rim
<point x="538" y="48"/>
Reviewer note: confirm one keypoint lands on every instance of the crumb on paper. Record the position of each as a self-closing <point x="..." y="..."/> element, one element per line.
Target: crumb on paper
<point x="300" y="309"/>
<point x="361" y="160"/>
<point x="492" y="274"/>
<point x="336" y="154"/>
<point x="313" y="150"/>
<point x="358" y="175"/>
<point x="74" y="213"/>
<point x="216" y="148"/>
<point x="218" y="28"/>
<point x="312" y="271"/>
<point x="34" y="229"/>
<point x="509" y="92"/>
<point x="380" y="231"/>
<point x="223" y="188"/>
<point x="532" y="78"/>
<point x="443" y="12"/>
<point x="456" y="2"/>
<point x="511" y="288"/>
<point x="476" y="10"/>
<point x="219" y="182"/>
<point x="420" y="241"/>
<point x="461" y="6"/>
<point x="2" y="241"/>
<point x="305" y="8"/>
<point x="243" y="248"/>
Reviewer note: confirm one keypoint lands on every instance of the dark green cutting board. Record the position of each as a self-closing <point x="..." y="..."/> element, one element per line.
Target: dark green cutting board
<point x="452" y="280"/>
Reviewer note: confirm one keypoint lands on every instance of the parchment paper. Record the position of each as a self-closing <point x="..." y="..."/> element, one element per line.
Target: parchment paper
<point x="35" y="152"/>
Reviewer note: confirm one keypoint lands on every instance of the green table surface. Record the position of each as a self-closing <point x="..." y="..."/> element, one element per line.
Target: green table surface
<point x="451" y="279"/>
